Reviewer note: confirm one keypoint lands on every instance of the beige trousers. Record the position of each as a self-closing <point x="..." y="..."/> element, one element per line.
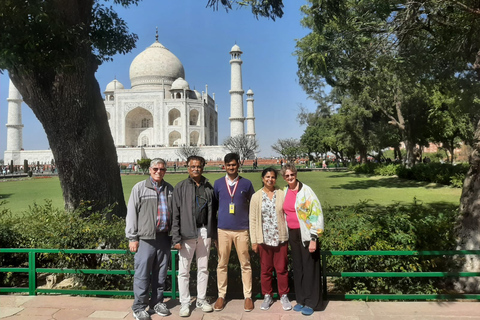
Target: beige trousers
<point x="241" y="241"/>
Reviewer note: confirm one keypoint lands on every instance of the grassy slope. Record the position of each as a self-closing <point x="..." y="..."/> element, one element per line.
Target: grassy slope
<point x="333" y="189"/>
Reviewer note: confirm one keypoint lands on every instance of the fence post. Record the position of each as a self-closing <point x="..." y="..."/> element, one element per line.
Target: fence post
<point x="324" y="275"/>
<point x="32" y="274"/>
<point x="174" y="274"/>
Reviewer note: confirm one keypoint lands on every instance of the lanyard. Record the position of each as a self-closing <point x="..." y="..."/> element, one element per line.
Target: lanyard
<point x="230" y="192"/>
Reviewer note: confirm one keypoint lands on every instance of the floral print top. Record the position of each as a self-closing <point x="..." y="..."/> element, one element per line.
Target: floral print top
<point x="269" y="220"/>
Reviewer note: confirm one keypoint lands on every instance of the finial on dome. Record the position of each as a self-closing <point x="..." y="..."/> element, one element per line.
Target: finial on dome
<point x="156" y="33"/>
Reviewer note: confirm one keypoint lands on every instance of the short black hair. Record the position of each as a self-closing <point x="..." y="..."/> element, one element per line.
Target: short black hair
<point x="198" y="158"/>
<point x="231" y="156"/>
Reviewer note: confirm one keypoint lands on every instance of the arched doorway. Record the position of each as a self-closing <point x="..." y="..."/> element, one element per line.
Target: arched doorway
<point x="138" y="122"/>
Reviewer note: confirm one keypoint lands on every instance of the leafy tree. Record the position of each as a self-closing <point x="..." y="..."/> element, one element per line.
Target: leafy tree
<point x="246" y="147"/>
<point x="401" y="50"/>
<point x="51" y="50"/>
<point x="290" y="149"/>
<point x="144" y="164"/>
<point x="270" y="9"/>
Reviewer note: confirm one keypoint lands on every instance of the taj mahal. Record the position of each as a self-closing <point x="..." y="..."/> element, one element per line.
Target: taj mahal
<point x="159" y="114"/>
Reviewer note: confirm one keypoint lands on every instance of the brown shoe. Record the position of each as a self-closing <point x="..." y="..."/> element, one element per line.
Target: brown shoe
<point x="248" y="305"/>
<point x="219" y="304"/>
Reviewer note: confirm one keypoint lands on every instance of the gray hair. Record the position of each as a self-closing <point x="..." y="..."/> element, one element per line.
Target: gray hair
<point x="288" y="166"/>
<point x="156" y="161"/>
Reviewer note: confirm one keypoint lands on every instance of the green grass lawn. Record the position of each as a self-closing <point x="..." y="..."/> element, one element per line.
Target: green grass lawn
<point x="332" y="188"/>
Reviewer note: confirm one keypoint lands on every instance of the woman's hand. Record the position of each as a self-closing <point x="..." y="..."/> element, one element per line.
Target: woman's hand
<point x="312" y="246"/>
<point x="255" y="247"/>
<point x="178" y="246"/>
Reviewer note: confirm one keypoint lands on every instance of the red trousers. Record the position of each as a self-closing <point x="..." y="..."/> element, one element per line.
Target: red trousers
<point x="274" y="257"/>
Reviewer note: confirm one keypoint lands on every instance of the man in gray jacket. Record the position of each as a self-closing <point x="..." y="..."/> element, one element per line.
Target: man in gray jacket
<point x="148" y="224"/>
<point x="194" y="225"/>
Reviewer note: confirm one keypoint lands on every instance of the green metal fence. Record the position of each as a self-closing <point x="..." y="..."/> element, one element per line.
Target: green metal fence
<point x="32" y="271"/>
<point x="326" y="274"/>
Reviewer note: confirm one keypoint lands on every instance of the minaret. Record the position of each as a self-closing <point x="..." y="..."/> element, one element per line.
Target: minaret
<point x="14" y="120"/>
<point x="250" y="115"/>
<point x="236" y="94"/>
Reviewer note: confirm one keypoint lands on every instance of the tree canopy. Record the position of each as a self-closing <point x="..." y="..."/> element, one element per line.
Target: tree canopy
<point x="414" y="65"/>
<point x="51" y="50"/>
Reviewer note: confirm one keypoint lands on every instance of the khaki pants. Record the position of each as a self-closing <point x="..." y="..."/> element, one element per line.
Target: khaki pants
<point x="201" y="248"/>
<point x="240" y="239"/>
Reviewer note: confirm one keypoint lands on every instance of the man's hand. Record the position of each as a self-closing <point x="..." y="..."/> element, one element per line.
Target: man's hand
<point x="215" y="243"/>
<point x="178" y="246"/>
<point x="133" y="246"/>
<point x="255" y="247"/>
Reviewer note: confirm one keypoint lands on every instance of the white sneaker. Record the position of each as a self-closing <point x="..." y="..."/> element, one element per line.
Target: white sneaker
<point x="204" y="305"/>
<point x="184" y="310"/>
<point x="267" y="302"/>
<point x="286" y="304"/>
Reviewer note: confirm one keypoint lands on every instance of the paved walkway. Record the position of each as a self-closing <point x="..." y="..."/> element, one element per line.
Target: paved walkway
<point x="62" y="307"/>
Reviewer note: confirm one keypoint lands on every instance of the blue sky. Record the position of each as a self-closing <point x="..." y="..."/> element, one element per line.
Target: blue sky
<point x="202" y="38"/>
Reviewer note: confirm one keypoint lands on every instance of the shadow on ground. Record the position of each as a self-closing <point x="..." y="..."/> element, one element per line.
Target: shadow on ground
<point x="381" y="182"/>
<point x="4" y="196"/>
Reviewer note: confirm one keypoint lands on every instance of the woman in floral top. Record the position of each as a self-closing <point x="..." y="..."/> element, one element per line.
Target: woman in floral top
<point x="268" y="234"/>
<point x="305" y="224"/>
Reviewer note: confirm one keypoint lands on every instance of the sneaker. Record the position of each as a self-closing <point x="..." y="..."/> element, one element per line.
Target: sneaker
<point x="161" y="309"/>
<point x="298" y="307"/>
<point x="286" y="305"/>
<point x="184" y="310"/>
<point x="307" y="311"/>
<point x="204" y="305"/>
<point x="267" y="302"/>
<point x="141" y="315"/>
<point x="219" y="304"/>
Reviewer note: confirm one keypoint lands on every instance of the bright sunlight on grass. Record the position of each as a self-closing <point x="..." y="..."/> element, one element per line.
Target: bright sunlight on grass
<point x="332" y="188"/>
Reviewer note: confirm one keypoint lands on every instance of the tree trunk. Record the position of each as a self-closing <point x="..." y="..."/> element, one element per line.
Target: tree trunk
<point x="68" y="103"/>
<point x="469" y="221"/>
<point x="411" y="159"/>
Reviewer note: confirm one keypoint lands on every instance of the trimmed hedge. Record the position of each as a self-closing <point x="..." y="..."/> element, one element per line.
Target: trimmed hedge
<point x="435" y="172"/>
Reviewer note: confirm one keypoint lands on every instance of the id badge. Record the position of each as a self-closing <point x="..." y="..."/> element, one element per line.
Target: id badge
<point x="232" y="208"/>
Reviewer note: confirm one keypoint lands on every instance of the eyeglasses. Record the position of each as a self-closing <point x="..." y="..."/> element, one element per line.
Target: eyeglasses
<point x="156" y="169"/>
<point x="290" y="175"/>
<point x="196" y="167"/>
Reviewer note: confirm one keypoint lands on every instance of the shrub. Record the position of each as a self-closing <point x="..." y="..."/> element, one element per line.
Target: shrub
<point x="396" y="227"/>
<point x="43" y="226"/>
<point x="387" y="170"/>
<point x="442" y="173"/>
<point x="364" y="168"/>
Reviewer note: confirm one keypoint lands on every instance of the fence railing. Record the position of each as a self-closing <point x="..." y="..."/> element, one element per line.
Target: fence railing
<point x="326" y="274"/>
<point x="33" y="271"/>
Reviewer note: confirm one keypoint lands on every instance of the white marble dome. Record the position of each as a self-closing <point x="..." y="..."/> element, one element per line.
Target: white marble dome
<point x="249" y="92"/>
<point x="154" y="65"/>
<point x="180" y="84"/>
<point x="235" y="48"/>
<point x="114" y="85"/>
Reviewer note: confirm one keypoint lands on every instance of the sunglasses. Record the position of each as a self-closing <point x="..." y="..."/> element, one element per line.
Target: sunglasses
<point x="156" y="169"/>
